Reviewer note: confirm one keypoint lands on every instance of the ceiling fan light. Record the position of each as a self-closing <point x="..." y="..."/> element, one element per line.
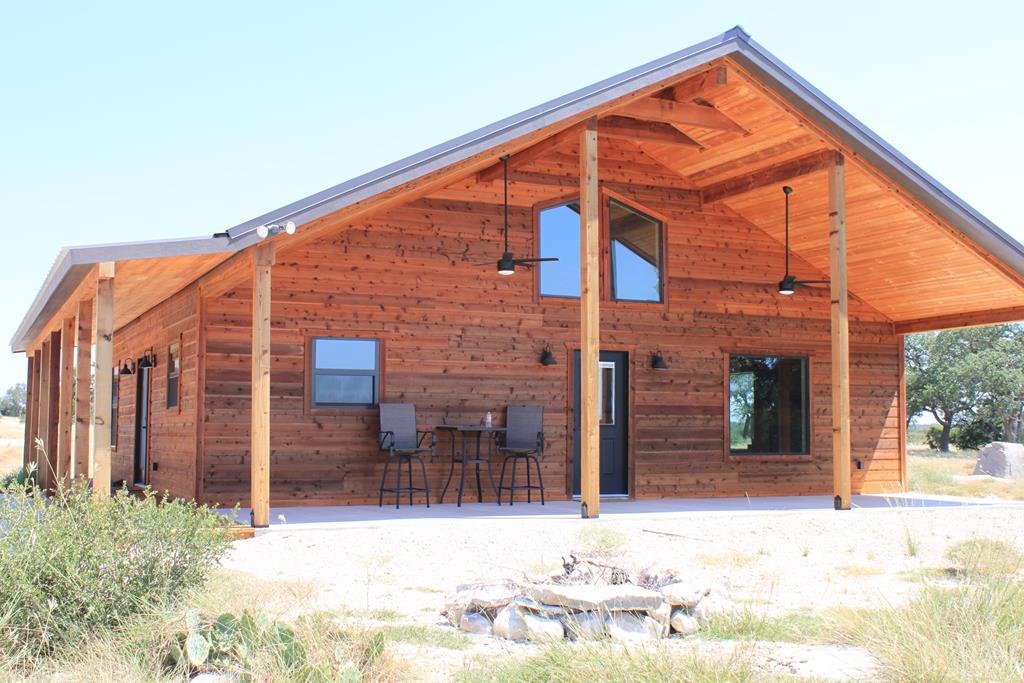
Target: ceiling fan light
<point x="787" y="285"/>
<point x="506" y="265"/>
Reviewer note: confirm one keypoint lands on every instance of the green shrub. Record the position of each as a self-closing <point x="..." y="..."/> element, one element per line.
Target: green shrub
<point x="984" y="557"/>
<point x="72" y="566"/>
<point x="23" y="478"/>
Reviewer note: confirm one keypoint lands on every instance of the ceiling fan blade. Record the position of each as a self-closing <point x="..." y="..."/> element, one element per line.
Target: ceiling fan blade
<point x="534" y="260"/>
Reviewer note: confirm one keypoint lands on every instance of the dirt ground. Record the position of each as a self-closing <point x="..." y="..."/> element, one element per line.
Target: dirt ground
<point x="12" y="433"/>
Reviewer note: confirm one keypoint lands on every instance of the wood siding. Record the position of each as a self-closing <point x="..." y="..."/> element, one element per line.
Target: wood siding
<point x="172" y="431"/>
<point x="459" y="340"/>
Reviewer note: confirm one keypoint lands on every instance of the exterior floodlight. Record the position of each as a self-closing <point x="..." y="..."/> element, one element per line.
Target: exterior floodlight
<point x="289" y="227"/>
<point x="263" y="231"/>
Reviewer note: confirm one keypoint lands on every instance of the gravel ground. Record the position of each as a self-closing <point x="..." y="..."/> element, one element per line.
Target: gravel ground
<point x="775" y="562"/>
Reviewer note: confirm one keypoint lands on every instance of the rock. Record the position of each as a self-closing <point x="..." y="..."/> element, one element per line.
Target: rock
<point x="596" y="598"/>
<point x="513" y="623"/>
<point x="712" y="606"/>
<point x="684" y="623"/>
<point x="540" y="608"/>
<point x="684" y="594"/>
<point x="1001" y="459"/>
<point x="628" y="627"/>
<point x="540" y="629"/>
<point x="509" y="624"/>
<point x="476" y="598"/>
<point x="214" y="677"/>
<point x="585" y="626"/>
<point x="474" y="622"/>
<point x="662" y="615"/>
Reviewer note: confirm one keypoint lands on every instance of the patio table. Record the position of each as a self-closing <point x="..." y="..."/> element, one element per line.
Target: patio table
<point x="464" y="433"/>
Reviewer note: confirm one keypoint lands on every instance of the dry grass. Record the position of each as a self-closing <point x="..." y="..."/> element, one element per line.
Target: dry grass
<point x="12" y="433"/>
<point x="937" y="473"/>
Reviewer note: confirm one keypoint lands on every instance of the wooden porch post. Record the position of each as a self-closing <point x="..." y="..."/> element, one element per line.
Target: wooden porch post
<point x="52" y="400"/>
<point x="83" y="371"/>
<point x="101" y="414"/>
<point x="30" y="395"/>
<point x="262" y="261"/>
<point x="43" y="431"/>
<point x="36" y="405"/>
<point x="590" y="318"/>
<point x="67" y="379"/>
<point x="840" y="336"/>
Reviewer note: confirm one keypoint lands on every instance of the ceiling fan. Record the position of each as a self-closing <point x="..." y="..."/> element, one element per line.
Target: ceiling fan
<point x="507" y="263"/>
<point x="789" y="283"/>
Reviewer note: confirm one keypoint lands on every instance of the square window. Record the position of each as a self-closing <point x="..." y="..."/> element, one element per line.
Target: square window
<point x="768" y="405"/>
<point x="345" y="372"/>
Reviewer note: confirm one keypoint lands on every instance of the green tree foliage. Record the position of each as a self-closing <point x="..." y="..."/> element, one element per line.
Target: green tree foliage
<point x="12" y="404"/>
<point x="971" y="379"/>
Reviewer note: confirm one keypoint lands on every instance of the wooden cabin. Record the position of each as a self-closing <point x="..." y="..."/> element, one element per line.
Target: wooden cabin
<point x="245" y="367"/>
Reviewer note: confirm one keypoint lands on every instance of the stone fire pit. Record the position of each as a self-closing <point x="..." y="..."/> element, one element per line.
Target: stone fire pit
<point x="588" y="601"/>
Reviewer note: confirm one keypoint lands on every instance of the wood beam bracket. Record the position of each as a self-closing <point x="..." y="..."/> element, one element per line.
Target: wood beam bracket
<point x="770" y="175"/>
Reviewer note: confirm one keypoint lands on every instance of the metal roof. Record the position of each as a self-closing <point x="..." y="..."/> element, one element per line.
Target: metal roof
<point x="73" y="263"/>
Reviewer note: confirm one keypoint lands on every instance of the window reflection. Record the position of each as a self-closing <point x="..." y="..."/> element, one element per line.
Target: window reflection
<point x="768" y="405"/>
<point x="635" y="254"/>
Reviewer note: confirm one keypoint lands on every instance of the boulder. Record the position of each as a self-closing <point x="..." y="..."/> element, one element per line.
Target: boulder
<point x="474" y="622"/>
<point x="477" y="598"/>
<point x="539" y="628"/>
<point x="711" y="606"/>
<point x="683" y="623"/>
<point x="1001" y="459"/>
<point x="540" y="608"/>
<point x="585" y="625"/>
<point x="628" y="627"/>
<point x="596" y="598"/>
<point x="509" y="624"/>
<point x="662" y="615"/>
<point x="684" y="594"/>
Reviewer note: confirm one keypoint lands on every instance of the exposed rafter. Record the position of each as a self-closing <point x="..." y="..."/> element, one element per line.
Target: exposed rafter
<point x="703" y="85"/>
<point x="680" y="114"/>
<point x="635" y="130"/>
<point x="492" y="173"/>
<point x="770" y="175"/>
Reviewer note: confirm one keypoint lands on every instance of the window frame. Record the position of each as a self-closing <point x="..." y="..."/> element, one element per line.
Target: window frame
<point x="309" y="398"/>
<point x="609" y="259"/>
<point x="537" y="210"/>
<point x="753" y="456"/>
<point x="173" y="375"/>
<point x="115" y="405"/>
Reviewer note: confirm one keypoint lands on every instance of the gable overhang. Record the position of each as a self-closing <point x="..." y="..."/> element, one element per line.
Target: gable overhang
<point x="486" y="143"/>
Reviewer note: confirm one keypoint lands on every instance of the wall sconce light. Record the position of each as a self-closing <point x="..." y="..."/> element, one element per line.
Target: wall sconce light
<point x="547" y="357"/>
<point x="265" y="231"/>
<point x="658" y="361"/>
<point x="127" y="368"/>
<point x="148" y="361"/>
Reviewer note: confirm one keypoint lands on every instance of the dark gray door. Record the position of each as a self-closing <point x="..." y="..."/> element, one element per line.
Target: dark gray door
<point x="141" y="473"/>
<point x="613" y="390"/>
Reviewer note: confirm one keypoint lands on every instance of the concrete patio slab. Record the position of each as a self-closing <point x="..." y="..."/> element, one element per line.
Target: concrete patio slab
<point x="350" y="516"/>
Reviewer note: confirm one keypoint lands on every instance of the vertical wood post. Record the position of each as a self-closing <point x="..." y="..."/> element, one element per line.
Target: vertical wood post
<point x="36" y="405"/>
<point x="30" y="396"/>
<point x="43" y="430"/>
<point x="262" y="260"/>
<point x="901" y="410"/>
<point x="590" y="335"/>
<point x="102" y="394"/>
<point x="52" y="424"/>
<point x="67" y="380"/>
<point x="83" y="372"/>
<point x="840" y="336"/>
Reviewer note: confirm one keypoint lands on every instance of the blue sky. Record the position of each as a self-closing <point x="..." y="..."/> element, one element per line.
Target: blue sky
<point x="149" y="120"/>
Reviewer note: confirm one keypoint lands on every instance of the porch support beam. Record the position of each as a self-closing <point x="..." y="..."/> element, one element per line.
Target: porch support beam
<point x="995" y="316"/>
<point x="30" y="397"/>
<point x="770" y="175"/>
<point x="67" y="379"/>
<point x="840" y="336"/>
<point x="636" y="130"/>
<point x="42" y="430"/>
<point x="34" y="406"/>
<point x="590" y="318"/>
<point x="83" y="375"/>
<point x="52" y="422"/>
<point x="102" y="394"/>
<point x="262" y="260"/>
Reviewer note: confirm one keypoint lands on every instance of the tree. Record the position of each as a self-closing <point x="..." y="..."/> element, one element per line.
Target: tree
<point x="963" y="375"/>
<point x="13" y="402"/>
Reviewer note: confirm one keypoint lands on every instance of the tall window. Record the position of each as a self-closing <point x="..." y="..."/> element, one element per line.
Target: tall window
<point x="173" y="374"/>
<point x="635" y="254"/>
<point x="560" y="238"/>
<point x="768" y="405"/>
<point x="345" y="372"/>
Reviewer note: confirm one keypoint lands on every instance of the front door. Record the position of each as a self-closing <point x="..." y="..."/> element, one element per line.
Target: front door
<point x="613" y="388"/>
<point x="141" y="469"/>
